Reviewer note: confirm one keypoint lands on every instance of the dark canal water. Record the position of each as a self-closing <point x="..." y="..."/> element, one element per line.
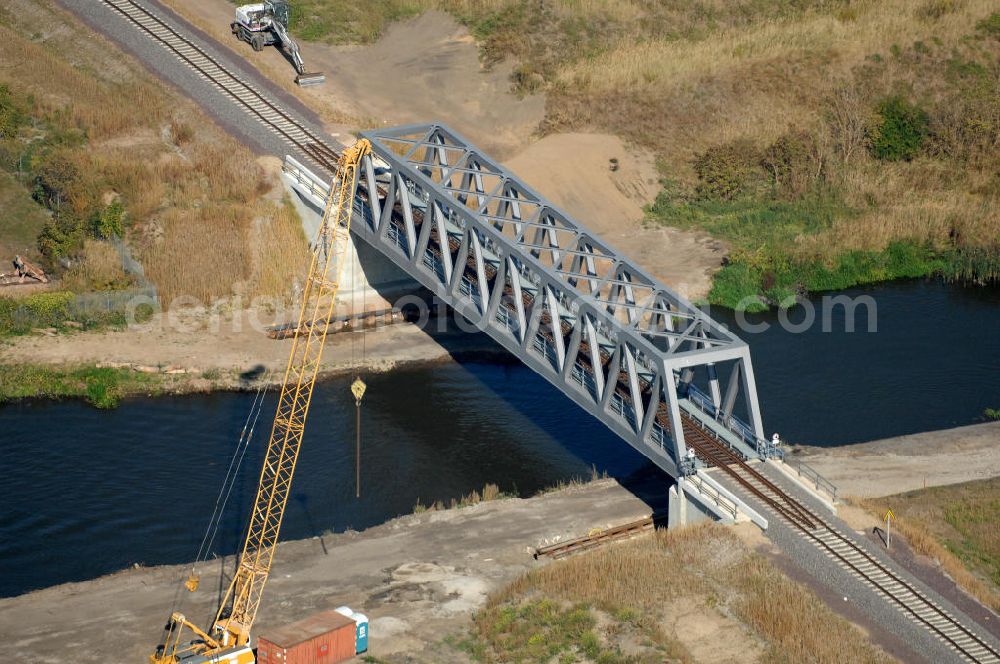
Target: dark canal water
<point x="88" y="492"/>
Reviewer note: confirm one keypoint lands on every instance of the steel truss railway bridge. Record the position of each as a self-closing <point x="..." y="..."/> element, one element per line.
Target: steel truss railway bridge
<point x="610" y="336"/>
<point x="622" y="345"/>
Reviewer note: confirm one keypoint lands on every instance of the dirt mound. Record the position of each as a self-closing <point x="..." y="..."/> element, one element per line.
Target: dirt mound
<point x="427" y="69"/>
<point x="605" y="185"/>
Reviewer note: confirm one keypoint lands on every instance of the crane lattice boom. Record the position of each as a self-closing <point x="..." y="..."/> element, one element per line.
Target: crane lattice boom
<point x="236" y="614"/>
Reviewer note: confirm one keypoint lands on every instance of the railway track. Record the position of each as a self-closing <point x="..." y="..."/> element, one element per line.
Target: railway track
<point x="266" y="111"/>
<point x="919" y="608"/>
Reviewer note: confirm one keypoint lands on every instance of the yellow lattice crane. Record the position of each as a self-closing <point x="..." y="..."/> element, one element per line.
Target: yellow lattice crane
<point x="227" y="640"/>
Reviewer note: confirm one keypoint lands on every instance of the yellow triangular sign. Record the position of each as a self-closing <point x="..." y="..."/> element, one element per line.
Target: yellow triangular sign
<point x="889" y="515"/>
<point x="358" y="389"/>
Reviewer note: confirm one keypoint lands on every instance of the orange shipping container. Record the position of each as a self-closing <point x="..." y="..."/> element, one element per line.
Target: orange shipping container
<point x="324" y="638"/>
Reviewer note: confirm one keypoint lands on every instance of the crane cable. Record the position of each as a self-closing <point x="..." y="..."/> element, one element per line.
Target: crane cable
<point x="225" y="491"/>
<point x="358" y="386"/>
<point x="262" y="392"/>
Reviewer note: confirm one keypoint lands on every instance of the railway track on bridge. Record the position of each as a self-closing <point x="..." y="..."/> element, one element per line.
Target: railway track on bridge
<point x="257" y="105"/>
<point x="861" y="564"/>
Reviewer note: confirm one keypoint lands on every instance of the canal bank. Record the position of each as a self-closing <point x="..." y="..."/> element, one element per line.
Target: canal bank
<point x="418" y="578"/>
<point x="421" y="577"/>
<point x="196" y="352"/>
<point x="838" y="369"/>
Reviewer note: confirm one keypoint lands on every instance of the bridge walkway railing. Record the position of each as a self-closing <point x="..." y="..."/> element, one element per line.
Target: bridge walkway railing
<point x="740" y="436"/>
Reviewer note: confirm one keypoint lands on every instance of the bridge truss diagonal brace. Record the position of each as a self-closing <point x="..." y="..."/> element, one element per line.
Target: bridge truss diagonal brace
<point x="609" y="336"/>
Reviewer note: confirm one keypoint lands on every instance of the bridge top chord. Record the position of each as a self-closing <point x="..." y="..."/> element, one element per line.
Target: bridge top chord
<point x="635" y="304"/>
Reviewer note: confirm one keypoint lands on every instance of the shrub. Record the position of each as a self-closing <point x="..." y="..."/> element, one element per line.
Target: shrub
<point x="12" y="114"/>
<point x="181" y="132"/>
<point x="990" y="25"/>
<point x="109" y="221"/>
<point x="793" y="163"/>
<point x="63" y="179"/>
<point x="728" y="171"/>
<point x="846" y="116"/>
<point x="527" y="79"/>
<point x="899" y="131"/>
<point x="967" y="127"/>
<point x="19" y="316"/>
<point x="62" y="236"/>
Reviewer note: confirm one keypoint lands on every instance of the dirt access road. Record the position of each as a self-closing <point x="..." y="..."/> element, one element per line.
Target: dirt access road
<point x="905" y="463"/>
<point x="418" y="578"/>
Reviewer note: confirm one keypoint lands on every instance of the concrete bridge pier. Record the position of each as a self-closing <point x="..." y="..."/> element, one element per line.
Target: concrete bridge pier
<point x="699" y="497"/>
<point x="369" y="281"/>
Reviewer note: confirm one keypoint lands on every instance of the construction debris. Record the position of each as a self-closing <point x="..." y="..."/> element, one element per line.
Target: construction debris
<point x="342" y="323"/>
<point x="170" y="370"/>
<point x="23" y="269"/>
<point x="595" y="538"/>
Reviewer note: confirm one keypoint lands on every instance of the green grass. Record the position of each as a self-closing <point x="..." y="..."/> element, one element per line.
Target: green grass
<point x="764" y="269"/>
<point x="20" y="315"/>
<point x="100" y="387"/>
<point x="543" y="630"/>
<point x="339" y="22"/>
<point x="769" y="277"/>
<point x="756" y="281"/>
<point x="51" y="309"/>
<point x="539" y="631"/>
<point x="751" y="221"/>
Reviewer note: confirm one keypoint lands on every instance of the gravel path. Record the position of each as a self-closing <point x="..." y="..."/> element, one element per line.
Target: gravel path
<point x="905" y="463"/>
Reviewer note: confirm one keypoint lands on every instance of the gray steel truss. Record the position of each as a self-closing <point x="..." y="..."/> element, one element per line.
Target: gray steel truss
<point x="597" y="326"/>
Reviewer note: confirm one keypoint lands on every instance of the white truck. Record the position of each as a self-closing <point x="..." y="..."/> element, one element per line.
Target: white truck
<point x="265" y="23"/>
